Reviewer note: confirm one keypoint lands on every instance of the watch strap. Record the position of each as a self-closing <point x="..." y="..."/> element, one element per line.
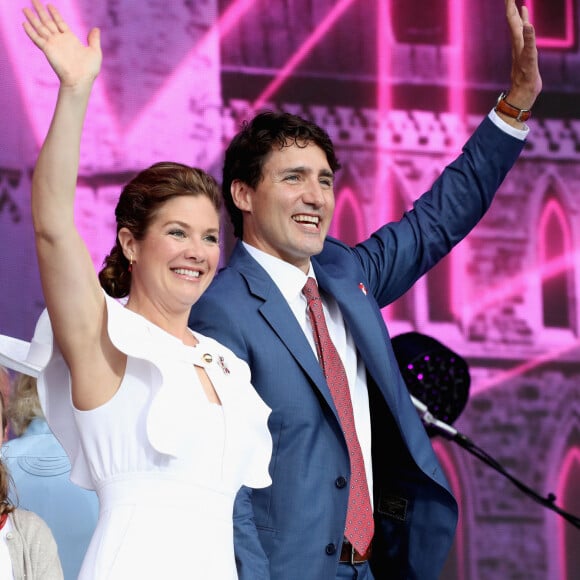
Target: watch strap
<point x="502" y="106"/>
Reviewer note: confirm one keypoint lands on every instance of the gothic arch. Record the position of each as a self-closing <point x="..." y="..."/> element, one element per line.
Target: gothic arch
<point x="555" y="262"/>
<point x="562" y="471"/>
<point x="570" y="501"/>
<point x="348" y="223"/>
<point x="553" y="275"/>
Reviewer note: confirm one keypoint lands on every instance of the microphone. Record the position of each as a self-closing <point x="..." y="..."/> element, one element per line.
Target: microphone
<point x="439" y="376"/>
<point x="429" y="420"/>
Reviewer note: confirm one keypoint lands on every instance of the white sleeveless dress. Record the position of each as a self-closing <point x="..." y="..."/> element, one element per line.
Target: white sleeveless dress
<point x="165" y="462"/>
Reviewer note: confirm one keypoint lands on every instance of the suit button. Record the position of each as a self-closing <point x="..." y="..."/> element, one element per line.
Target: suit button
<point x="340" y="482"/>
<point x="330" y="549"/>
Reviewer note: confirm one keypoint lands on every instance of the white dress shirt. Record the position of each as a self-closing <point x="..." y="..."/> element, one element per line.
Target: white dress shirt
<point x="520" y="134"/>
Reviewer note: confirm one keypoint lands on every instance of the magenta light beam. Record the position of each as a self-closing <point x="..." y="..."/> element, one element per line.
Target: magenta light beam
<point x="456" y="75"/>
<point x="517" y="284"/>
<point x="302" y="52"/>
<point x="457" y="106"/>
<point x="525" y="367"/>
<point x="180" y="81"/>
<point x="232" y="16"/>
<point x="383" y="203"/>
<point x="36" y="83"/>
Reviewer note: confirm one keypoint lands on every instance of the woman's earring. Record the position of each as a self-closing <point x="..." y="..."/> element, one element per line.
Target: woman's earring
<point x="131" y="263"/>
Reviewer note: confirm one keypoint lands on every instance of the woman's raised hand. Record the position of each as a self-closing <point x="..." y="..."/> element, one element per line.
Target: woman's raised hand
<point x="72" y="61"/>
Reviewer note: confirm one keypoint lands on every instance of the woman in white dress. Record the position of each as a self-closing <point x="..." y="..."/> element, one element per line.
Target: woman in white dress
<point x="161" y="421"/>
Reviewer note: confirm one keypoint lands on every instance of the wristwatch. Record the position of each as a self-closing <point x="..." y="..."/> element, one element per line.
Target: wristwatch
<point x="502" y="106"/>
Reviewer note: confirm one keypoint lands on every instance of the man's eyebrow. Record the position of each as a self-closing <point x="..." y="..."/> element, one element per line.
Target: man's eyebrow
<point x="296" y="169"/>
<point x="305" y="169"/>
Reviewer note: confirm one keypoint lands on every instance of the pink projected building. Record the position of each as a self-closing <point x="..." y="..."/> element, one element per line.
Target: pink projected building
<point x="399" y="86"/>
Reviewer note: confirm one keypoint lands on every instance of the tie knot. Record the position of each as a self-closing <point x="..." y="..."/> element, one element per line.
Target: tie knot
<point x="310" y="290"/>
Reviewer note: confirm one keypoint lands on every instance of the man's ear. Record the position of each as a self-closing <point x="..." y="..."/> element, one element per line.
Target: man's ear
<point x="127" y="241"/>
<point x="241" y="195"/>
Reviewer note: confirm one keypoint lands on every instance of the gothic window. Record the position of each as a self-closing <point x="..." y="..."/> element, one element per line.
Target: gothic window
<point x="427" y="25"/>
<point x="569" y="499"/>
<point x="555" y="266"/>
<point x="554" y="21"/>
<point x="348" y="223"/>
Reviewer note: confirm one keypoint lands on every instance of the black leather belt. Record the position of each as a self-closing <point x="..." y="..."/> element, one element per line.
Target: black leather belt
<point x="349" y="555"/>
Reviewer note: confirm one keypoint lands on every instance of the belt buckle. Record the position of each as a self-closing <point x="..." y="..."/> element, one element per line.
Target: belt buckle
<point x="350" y="556"/>
<point x="353" y="562"/>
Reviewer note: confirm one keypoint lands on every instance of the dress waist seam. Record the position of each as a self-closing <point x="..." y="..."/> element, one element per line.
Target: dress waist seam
<point x="157" y="489"/>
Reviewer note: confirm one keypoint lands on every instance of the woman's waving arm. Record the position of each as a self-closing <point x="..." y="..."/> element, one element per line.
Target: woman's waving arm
<point x="72" y="293"/>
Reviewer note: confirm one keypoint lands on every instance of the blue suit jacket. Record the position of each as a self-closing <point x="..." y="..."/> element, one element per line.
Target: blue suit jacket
<point x="294" y="528"/>
<point x="40" y="469"/>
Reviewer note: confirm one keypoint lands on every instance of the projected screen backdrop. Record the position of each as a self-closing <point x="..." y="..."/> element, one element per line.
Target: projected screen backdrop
<point x="399" y="86"/>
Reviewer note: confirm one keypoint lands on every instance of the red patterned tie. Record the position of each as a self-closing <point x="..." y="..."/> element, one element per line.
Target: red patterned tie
<point x="359" y="516"/>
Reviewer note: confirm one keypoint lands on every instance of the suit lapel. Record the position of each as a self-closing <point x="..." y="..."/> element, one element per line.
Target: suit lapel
<point x="281" y="319"/>
<point x="358" y="309"/>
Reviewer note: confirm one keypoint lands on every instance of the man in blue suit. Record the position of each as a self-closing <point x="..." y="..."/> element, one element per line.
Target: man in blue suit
<point x="278" y="187"/>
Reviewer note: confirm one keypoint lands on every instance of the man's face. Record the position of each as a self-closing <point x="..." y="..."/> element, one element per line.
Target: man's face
<point x="288" y="214"/>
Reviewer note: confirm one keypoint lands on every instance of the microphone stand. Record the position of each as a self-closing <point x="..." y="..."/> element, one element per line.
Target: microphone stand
<point x="452" y="434"/>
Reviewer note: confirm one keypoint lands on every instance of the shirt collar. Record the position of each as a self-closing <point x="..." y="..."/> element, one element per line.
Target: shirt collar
<point x="288" y="278"/>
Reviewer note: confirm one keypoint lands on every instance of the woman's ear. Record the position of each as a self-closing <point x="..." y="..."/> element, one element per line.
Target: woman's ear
<point x="127" y="241"/>
<point x="241" y="195"/>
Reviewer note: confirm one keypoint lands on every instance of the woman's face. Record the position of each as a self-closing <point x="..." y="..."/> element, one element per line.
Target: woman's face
<point x="178" y="257"/>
